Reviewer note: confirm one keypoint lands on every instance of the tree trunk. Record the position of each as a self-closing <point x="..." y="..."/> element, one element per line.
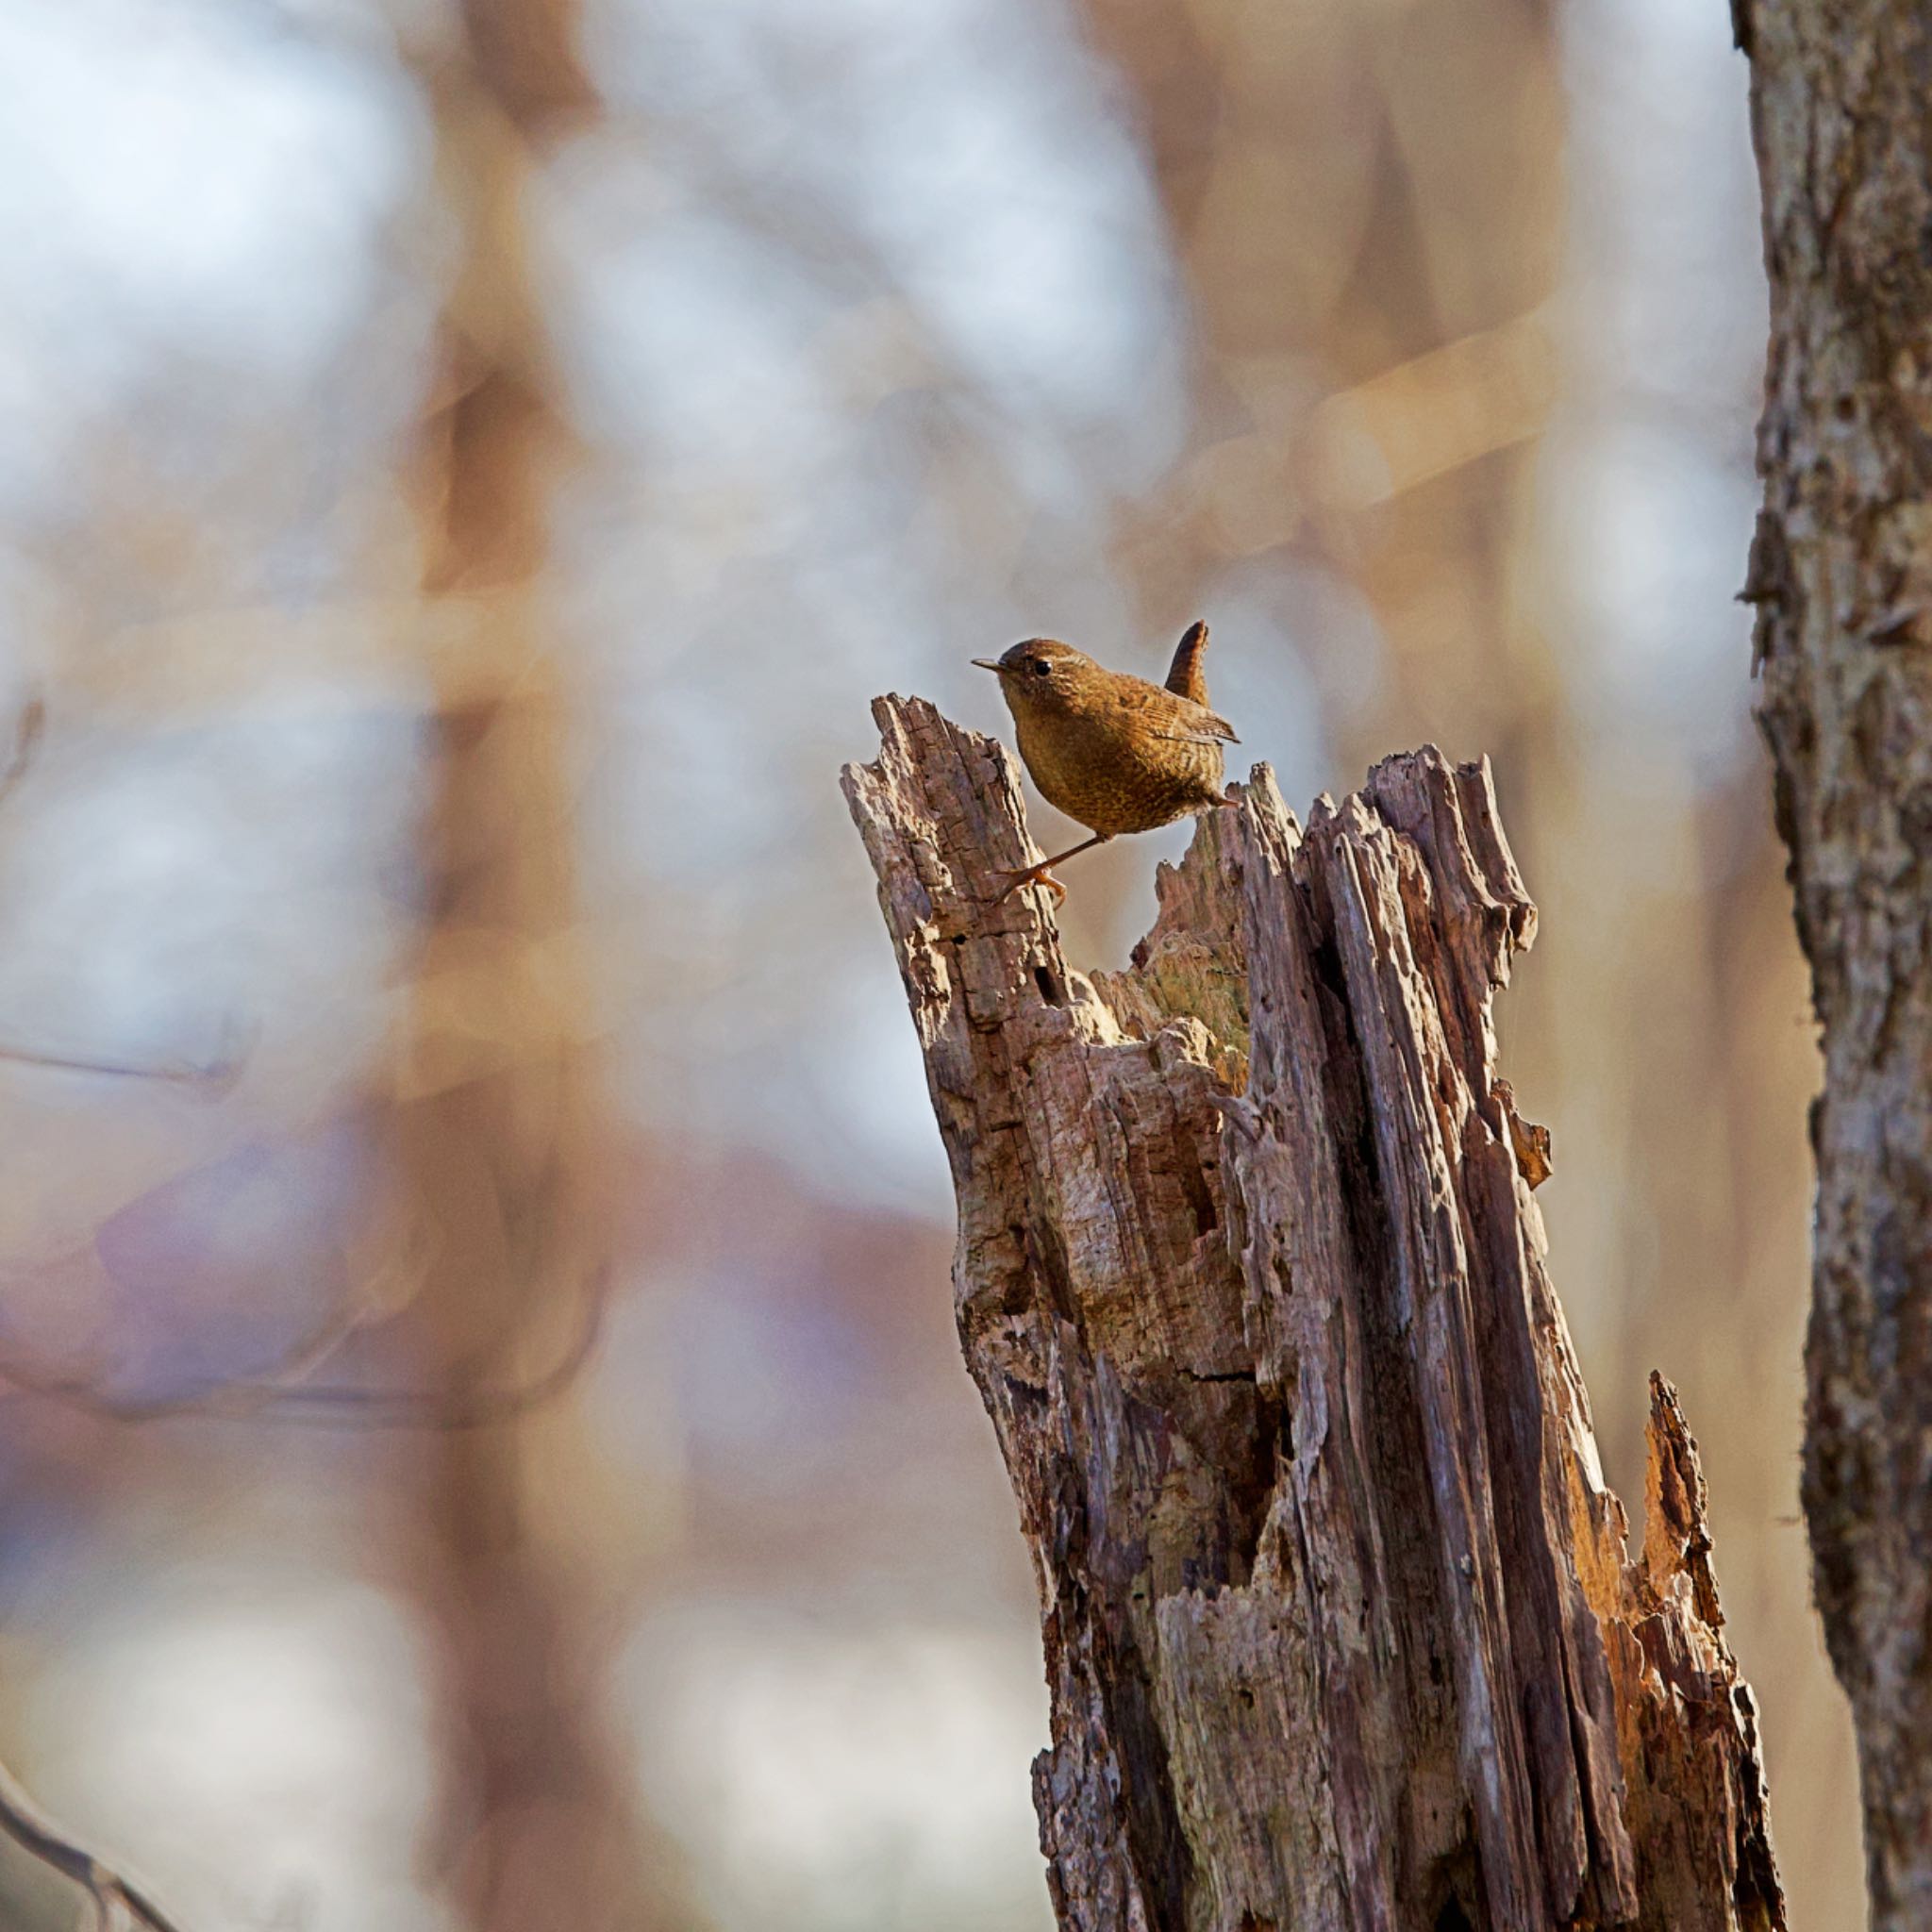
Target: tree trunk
<point x="1841" y="575"/>
<point x="1341" y="1627"/>
<point x="499" y="1133"/>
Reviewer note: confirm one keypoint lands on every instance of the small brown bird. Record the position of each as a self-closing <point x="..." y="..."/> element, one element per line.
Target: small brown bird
<point x="1112" y="751"/>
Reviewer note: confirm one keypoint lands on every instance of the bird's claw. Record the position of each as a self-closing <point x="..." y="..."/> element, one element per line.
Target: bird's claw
<point x="1031" y="876"/>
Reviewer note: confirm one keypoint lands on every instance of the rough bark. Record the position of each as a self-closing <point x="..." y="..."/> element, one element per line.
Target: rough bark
<point x="1340" y="1628"/>
<point x="1841" y="575"/>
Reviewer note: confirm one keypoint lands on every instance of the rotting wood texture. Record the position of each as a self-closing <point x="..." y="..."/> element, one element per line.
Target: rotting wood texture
<point x="1340" y="1626"/>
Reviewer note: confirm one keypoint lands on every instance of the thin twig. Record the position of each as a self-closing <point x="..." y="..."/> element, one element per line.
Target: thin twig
<point x="110" y="1891"/>
<point x="213" y="1078"/>
<point x="283" y="1396"/>
<point x="27" y="732"/>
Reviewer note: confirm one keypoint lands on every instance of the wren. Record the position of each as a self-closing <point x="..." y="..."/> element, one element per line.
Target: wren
<point x="1110" y="750"/>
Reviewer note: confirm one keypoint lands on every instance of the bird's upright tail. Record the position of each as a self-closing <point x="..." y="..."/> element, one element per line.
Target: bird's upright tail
<point x="1185" y="677"/>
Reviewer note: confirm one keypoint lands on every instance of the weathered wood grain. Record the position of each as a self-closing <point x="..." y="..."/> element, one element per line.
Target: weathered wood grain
<point x="1341" y="1627"/>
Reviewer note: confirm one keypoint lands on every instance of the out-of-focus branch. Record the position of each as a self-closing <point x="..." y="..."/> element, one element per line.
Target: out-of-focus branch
<point x="1433" y="414"/>
<point x="283" y="1396"/>
<point x="29" y="729"/>
<point x="211" y="1080"/>
<point x="283" y="1393"/>
<point x="114" y="1895"/>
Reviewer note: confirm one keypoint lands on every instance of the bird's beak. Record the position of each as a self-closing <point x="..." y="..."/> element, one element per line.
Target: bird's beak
<point x="989" y="664"/>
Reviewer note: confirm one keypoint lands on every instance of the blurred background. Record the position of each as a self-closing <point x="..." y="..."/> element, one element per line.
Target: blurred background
<point x="482" y="1440"/>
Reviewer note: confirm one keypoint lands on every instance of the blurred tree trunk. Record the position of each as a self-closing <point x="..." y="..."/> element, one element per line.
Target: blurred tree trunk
<point x="1368" y="204"/>
<point x="498" y="1123"/>
<point x="1342" y="1630"/>
<point x="1841" y="575"/>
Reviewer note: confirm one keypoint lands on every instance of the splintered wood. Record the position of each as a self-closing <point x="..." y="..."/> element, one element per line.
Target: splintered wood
<point x="1340" y="1626"/>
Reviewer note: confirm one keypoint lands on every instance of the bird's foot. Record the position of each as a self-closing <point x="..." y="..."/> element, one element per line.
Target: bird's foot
<point x="1031" y="876"/>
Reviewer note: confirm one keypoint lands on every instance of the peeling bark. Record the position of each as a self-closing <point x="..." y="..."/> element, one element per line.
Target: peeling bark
<point x="1340" y="1623"/>
<point x="1840" y="571"/>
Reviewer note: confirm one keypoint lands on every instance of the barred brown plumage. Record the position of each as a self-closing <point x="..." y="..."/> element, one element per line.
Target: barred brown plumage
<point x="1111" y="750"/>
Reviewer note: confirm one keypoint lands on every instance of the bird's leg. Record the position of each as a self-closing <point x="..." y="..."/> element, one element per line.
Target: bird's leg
<point x="1041" y="875"/>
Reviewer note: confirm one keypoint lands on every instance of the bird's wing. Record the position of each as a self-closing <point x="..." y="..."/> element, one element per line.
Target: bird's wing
<point x="1166" y="715"/>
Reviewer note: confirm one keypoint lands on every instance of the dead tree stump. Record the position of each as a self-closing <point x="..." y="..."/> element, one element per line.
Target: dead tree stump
<point x="1340" y="1626"/>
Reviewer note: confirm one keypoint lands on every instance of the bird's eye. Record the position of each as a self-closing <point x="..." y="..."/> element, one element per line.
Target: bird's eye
<point x="1040" y="667"/>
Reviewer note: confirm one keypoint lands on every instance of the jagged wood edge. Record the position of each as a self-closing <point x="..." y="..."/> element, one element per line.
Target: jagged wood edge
<point x="1083" y="1119"/>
